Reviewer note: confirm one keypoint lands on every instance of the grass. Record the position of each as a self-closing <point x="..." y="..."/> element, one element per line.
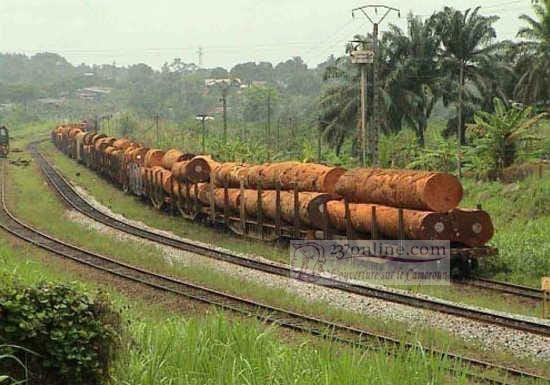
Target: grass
<point x="167" y="348"/>
<point x="521" y="214"/>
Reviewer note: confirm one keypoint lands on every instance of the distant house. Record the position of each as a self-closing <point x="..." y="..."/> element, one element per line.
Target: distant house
<point x="5" y="107"/>
<point x="93" y="93"/>
<point x="222" y="82"/>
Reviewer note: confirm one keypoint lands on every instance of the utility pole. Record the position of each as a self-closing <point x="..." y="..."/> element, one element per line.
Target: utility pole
<point x="268" y="114"/>
<point x="157" y="130"/>
<point x="362" y="56"/>
<point x="278" y="134"/>
<point x="224" y="106"/>
<point x="203" y="118"/>
<point x="374" y="130"/>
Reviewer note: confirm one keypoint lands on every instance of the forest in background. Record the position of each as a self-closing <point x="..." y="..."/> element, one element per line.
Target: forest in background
<point x="287" y="110"/>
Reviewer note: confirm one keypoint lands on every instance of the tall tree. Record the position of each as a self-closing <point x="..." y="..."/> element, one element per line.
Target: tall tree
<point x="533" y="65"/>
<point x="466" y="48"/>
<point x="413" y="85"/>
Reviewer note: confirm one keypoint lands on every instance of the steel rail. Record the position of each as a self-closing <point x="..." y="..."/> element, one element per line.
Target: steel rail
<point x="274" y="315"/>
<point x="77" y="202"/>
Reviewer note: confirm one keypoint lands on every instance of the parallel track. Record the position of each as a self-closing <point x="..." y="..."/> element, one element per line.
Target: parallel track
<point x="273" y="315"/>
<point x="506" y="288"/>
<point x="74" y="200"/>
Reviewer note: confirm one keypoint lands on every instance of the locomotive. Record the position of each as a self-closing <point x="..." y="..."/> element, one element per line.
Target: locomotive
<point x="4" y="142"/>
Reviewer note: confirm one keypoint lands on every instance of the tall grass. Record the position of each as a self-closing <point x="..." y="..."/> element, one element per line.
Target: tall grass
<point x="215" y="351"/>
<point x="521" y="215"/>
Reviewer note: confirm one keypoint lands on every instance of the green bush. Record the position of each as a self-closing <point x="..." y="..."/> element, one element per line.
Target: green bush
<point x="74" y="336"/>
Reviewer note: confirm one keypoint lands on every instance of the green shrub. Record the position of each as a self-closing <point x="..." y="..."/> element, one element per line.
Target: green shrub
<point x="74" y="336"/>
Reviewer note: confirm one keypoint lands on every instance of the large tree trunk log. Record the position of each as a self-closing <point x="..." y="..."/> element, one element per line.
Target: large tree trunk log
<point x="233" y="196"/>
<point x="306" y="176"/>
<point x="102" y="143"/>
<point x="418" y="225"/>
<point x="230" y="173"/>
<point x="173" y="156"/>
<point x="199" y="168"/>
<point x="137" y="155"/>
<point x="401" y="188"/>
<point x="474" y="227"/>
<point x="310" y="206"/>
<point x="153" y="158"/>
<point x="179" y="171"/>
<point x="180" y="191"/>
<point x="122" y="144"/>
<point x="162" y="178"/>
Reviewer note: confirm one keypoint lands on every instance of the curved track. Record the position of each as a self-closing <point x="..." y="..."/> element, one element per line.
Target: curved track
<point x="74" y="200"/>
<point x="281" y="317"/>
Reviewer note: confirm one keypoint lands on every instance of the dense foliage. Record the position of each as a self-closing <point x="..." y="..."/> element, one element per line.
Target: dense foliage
<point x="444" y="67"/>
<point x="72" y="337"/>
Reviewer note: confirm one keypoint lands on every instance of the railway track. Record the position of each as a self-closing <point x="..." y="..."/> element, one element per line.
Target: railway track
<point x="77" y="202"/>
<point x="283" y="318"/>
<point x="506" y="288"/>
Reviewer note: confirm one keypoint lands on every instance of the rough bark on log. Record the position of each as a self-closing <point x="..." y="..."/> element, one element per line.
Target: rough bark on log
<point x="153" y="158"/>
<point x="174" y="156"/>
<point x="179" y="171"/>
<point x="310" y="206"/>
<point x="417" y="225"/>
<point x="416" y="190"/>
<point x="122" y="144"/>
<point x="230" y="173"/>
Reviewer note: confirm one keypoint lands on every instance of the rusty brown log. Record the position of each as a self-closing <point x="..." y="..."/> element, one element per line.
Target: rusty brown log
<point x="74" y="131"/>
<point x="174" y="156"/>
<point x="122" y="144"/>
<point x="230" y="173"/>
<point x="96" y="137"/>
<point x="102" y="143"/>
<point x="179" y="171"/>
<point x="474" y="227"/>
<point x="306" y="176"/>
<point x="160" y="178"/>
<point x="417" y="190"/>
<point x="417" y="225"/>
<point x="137" y="155"/>
<point x="153" y="158"/>
<point x="219" y="197"/>
<point x="199" y="168"/>
<point x="310" y="205"/>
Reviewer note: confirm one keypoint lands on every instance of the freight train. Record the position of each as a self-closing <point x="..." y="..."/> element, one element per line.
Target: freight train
<point x="290" y="200"/>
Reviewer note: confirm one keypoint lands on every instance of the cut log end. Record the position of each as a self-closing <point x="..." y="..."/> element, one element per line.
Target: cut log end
<point x="474" y="227"/>
<point x="442" y="192"/>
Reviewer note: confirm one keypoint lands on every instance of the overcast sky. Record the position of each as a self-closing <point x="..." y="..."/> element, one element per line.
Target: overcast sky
<point x="230" y="31"/>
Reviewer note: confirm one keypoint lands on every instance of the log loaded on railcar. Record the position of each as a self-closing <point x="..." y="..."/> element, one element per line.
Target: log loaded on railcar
<point x="4" y="142"/>
<point x="288" y="199"/>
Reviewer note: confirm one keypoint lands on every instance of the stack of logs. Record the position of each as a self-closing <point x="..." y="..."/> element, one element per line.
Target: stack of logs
<point x="384" y="203"/>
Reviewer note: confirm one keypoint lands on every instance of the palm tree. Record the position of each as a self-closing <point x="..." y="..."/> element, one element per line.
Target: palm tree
<point x="498" y="134"/>
<point x="339" y="104"/>
<point x="465" y="57"/>
<point x="533" y="65"/>
<point x="413" y="85"/>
